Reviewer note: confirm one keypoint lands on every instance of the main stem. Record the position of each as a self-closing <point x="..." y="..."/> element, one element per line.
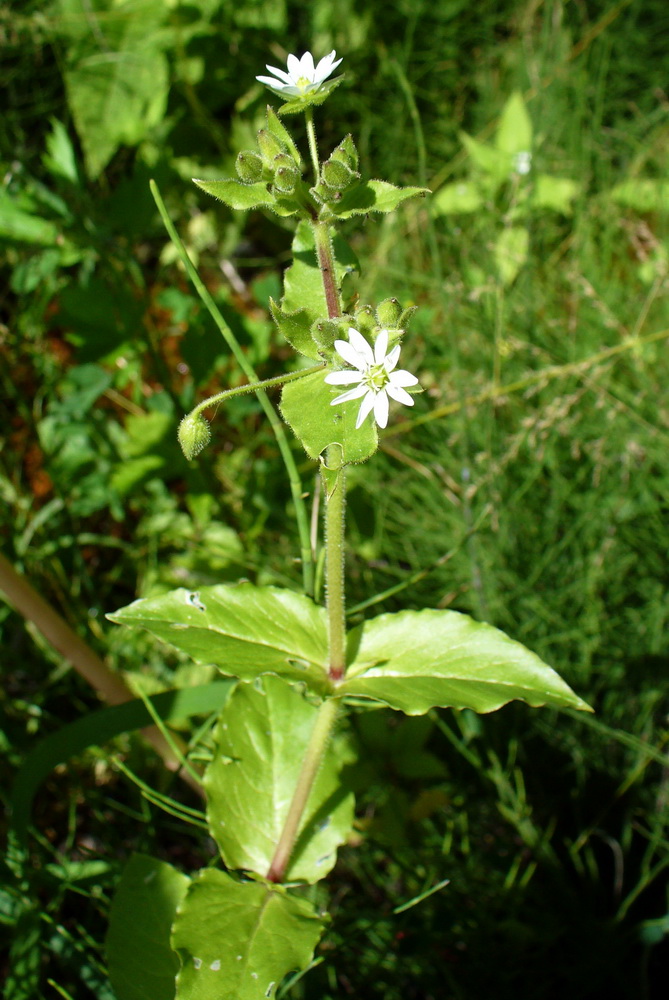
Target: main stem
<point x="335" y="498"/>
<point x="312" y="761"/>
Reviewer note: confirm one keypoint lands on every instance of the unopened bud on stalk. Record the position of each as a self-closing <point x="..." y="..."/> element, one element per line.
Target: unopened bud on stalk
<point x="194" y="435"/>
<point x="336" y="175"/>
<point x="269" y="146"/>
<point x="285" y="179"/>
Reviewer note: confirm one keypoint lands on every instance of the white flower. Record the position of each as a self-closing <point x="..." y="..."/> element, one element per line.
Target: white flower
<point x="522" y="162"/>
<point x="302" y="76"/>
<point x="375" y="374"/>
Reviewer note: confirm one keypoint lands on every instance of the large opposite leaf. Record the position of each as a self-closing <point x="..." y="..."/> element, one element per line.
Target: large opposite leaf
<point x="417" y="660"/>
<point x="261" y="739"/>
<point x="142" y="965"/>
<point x="237" y="940"/>
<point x="245" y="630"/>
<point x="306" y="405"/>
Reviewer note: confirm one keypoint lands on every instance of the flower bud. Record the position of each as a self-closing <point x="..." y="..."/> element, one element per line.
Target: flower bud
<point x="388" y="313"/>
<point x="248" y="166"/>
<point x="336" y="175"/>
<point x="194" y="435"/>
<point x="365" y="320"/>
<point x="285" y="179"/>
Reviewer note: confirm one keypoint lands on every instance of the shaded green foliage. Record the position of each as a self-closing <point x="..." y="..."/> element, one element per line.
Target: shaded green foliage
<point x="528" y="488"/>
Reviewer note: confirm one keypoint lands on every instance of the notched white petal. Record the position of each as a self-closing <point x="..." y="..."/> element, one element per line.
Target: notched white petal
<point x="366" y="408"/>
<point x="343" y="378"/>
<point x="381" y="408"/>
<point x="399" y="395"/>
<point x="403" y="377"/>
<point x="356" y="393"/>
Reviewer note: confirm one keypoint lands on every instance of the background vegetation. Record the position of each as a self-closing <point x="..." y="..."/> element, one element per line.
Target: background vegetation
<point x="529" y="487"/>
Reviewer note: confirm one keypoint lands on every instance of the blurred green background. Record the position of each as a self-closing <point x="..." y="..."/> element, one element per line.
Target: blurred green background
<point x="528" y="486"/>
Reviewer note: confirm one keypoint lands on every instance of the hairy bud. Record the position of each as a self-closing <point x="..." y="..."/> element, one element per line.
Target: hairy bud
<point x="248" y="166"/>
<point x="194" y="435"/>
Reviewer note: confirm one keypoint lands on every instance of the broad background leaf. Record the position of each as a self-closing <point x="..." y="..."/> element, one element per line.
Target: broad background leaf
<point x="514" y="132"/>
<point x="116" y="74"/>
<point x="142" y="965"/>
<point x="237" y="940"/>
<point x="417" y="660"/>
<point x="260" y="739"/>
<point x="245" y="630"/>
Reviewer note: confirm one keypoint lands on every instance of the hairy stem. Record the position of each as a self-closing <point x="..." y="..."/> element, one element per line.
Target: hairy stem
<point x="326" y="264"/>
<point x="313" y="145"/>
<point x="275" y="421"/>
<point x="320" y="734"/>
<point x="267" y="383"/>
<point x="335" y="497"/>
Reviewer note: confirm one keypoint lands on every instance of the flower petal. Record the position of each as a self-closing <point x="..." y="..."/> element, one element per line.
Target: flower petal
<point x="326" y="66"/>
<point x="399" y="394"/>
<point x="294" y="67"/>
<point x="356" y="393"/>
<point x="350" y="355"/>
<point x="307" y="66"/>
<point x="403" y="378"/>
<point x="281" y="73"/>
<point x="343" y="378"/>
<point x="269" y="81"/>
<point x="360" y="345"/>
<point x="391" y="359"/>
<point x="380" y="347"/>
<point x="381" y="408"/>
<point x="366" y="407"/>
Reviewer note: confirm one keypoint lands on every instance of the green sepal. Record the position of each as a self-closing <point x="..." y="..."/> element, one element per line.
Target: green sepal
<point x="296" y="328"/>
<point x="280" y="132"/>
<point x="269" y="146"/>
<point x="260" y="743"/>
<point x="372" y="196"/>
<point x="417" y="660"/>
<point x="313" y="99"/>
<point x="237" y="940"/>
<point x="237" y="194"/>
<point x="346" y="152"/>
<point x="305" y="405"/>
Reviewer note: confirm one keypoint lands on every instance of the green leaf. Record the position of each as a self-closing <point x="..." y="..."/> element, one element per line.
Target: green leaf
<point x="642" y="194"/>
<point x="116" y="75"/>
<point x="514" y="132"/>
<point x="142" y="965"/>
<point x="511" y="252"/>
<point x="306" y="408"/>
<point x="237" y="940"/>
<point x="245" y="630"/>
<point x="460" y="197"/>
<point x="373" y="196"/>
<point x="555" y="193"/>
<point x="296" y="328"/>
<point x="60" y="157"/>
<point x="237" y="194"/>
<point x="20" y="226"/>
<point x="260" y="741"/>
<point x="493" y="162"/>
<point x="417" y="660"/>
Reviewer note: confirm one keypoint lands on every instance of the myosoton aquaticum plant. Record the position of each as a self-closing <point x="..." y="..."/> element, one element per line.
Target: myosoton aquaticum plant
<point x="277" y="807"/>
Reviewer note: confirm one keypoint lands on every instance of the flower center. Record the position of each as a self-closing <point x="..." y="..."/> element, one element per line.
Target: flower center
<point x="303" y="82"/>
<point x="376" y="377"/>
